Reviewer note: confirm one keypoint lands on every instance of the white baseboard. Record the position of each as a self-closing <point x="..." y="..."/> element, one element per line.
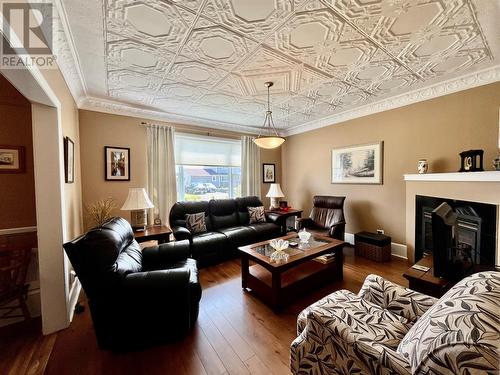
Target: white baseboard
<point x="397" y="249"/>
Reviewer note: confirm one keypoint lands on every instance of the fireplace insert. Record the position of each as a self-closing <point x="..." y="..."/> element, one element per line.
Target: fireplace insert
<point x="474" y="232"/>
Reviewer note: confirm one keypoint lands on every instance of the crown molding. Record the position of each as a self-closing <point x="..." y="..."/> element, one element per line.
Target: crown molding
<point x="467" y="81"/>
<point x="67" y="55"/>
<point x="125" y="109"/>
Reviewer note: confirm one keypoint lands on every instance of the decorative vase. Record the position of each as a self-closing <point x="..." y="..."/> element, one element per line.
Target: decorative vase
<point x="496" y="163"/>
<point x="423" y="166"/>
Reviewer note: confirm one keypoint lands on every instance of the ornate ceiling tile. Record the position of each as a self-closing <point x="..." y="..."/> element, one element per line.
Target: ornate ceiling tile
<point x="207" y="60"/>
<point x="255" y="18"/>
<point x="217" y="46"/>
<point x="159" y="24"/>
<point x="308" y="35"/>
<point x="181" y="92"/>
<point x="287" y="75"/>
<point x="134" y="56"/>
<point x="126" y="79"/>
<point x="195" y="73"/>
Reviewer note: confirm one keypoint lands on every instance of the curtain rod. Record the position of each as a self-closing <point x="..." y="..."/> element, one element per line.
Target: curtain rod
<point x="197" y="131"/>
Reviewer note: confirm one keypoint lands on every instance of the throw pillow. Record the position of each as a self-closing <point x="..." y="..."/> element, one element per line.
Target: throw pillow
<point x="196" y="222"/>
<point x="257" y="214"/>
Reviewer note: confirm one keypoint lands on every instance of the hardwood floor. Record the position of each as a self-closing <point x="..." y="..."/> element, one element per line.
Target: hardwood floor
<point x="235" y="332"/>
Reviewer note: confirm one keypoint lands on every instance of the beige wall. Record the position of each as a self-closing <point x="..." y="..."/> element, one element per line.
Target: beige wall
<point x="436" y="129"/>
<point x="101" y="129"/>
<point x="17" y="190"/>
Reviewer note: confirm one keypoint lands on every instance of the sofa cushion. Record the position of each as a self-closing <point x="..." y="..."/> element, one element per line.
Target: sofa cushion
<point x="208" y="244"/>
<point x="223" y="213"/>
<point x="460" y="334"/>
<point x="196" y="222"/>
<point x="265" y="231"/>
<point x="239" y="236"/>
<point x="352" y="318"/>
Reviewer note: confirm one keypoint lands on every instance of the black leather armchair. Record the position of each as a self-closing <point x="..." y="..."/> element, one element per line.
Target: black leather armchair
<point x="326" y="218"/>
<point x="136" y="297"/>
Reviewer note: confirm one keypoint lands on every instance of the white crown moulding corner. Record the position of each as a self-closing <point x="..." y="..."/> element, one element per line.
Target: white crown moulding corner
<point x="467" y="81"/>
<point x="125" y="109"/>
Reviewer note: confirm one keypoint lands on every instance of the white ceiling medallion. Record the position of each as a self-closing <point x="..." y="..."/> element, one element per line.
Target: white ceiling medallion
<point x="205" y="62"/>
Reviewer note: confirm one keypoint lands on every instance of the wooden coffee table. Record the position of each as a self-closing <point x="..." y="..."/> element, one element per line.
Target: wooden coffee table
<point x="277" y="283"/>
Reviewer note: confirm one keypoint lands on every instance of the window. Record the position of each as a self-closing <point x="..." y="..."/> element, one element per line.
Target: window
<point x="207" y="167"/>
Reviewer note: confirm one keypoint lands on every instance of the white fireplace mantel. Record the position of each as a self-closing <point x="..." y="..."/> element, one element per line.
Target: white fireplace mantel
<point x="487" y="176"/>
<point x="482" y="187"/>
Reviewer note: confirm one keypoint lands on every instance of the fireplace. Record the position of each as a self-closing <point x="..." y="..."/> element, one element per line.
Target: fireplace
<point x="475" y="228"/>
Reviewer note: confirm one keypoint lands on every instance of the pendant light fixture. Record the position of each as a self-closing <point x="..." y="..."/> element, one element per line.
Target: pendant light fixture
<point x="272" y="139"/>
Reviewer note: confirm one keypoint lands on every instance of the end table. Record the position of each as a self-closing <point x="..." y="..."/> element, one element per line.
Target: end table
<point x="160" y="233"/>
<point x="280" y="216"/>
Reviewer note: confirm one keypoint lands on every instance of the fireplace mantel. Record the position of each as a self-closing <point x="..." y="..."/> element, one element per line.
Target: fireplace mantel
<point x="487" y="176"/>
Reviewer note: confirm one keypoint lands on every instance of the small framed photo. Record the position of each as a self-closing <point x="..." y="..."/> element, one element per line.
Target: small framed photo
<point x="69" y="160"/>
<point x="269" y="173"/>
<point x="117" y="163"/>
<point x="12" y="159"/>
<point x="359" y="164"/>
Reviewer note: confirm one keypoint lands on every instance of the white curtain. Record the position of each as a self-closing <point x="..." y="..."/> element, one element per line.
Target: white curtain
<point x="162" y="187"/>
<point x="250" y="167"/>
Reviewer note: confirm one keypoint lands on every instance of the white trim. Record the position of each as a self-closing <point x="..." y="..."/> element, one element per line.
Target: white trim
<point x="488" y="176"/>
<point x="74" y="293"/>
<point x="397" y="249"/>
<point x="467" y="81"/>
<point x="7" y="231"/>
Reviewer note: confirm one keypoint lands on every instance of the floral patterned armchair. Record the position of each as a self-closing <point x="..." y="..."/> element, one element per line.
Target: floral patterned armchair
<point x="388" y="329"/>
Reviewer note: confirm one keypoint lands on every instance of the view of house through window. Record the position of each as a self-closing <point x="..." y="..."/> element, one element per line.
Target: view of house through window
<point x="207" y="167"/>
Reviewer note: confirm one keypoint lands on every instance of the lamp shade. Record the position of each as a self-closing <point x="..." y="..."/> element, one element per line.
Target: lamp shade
<point x="275" y="191"/>
<point x="137" y="199"/>
<point x="269" y="142"/>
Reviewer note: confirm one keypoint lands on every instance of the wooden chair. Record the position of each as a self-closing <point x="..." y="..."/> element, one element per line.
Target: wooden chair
<point x="14" y="262"/>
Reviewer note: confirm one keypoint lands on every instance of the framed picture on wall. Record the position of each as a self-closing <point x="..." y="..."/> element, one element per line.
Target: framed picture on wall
<point x="69" y="160"/>
<point x="360" y="164"/>
<point x="12" y="159"/>
<point x="117" y="163"/>
<point x="269" y="173"/>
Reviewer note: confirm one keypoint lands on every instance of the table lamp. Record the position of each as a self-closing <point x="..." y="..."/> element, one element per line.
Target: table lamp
<point x="275" y="193"/>
<point x="137" y="203"/>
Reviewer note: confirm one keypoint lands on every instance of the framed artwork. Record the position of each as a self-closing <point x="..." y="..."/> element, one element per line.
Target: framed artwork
<point x="12" y="159"/>
<point x="361" y="164"/>
<point x="117" y="163"/>
<point x="269" y="173"/>
<point x="69" y="160"/>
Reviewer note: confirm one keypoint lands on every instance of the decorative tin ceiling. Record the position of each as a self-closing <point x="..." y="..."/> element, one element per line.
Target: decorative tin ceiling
<point x="207" y="60"/>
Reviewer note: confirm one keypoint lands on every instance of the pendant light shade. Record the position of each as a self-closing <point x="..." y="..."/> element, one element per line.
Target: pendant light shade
<point x="272" y="139"/>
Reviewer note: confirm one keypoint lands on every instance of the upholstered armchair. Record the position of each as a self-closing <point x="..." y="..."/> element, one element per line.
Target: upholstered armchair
<point x="326" y="218"/>
<point x="388" y="329"/>
<point x="136" y="297"/>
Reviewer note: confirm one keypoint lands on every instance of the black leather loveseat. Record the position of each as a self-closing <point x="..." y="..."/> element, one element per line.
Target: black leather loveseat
<point x="228" y="227"/>
<point x="136" y="297"/>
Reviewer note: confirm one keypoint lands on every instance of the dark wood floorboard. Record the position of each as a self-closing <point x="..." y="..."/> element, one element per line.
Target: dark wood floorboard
<point x="235" y="334"/>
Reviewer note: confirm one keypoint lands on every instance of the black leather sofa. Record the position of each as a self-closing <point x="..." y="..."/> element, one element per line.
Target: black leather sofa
<point x="136" y="298"/>
<point x="228" y="227"/>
